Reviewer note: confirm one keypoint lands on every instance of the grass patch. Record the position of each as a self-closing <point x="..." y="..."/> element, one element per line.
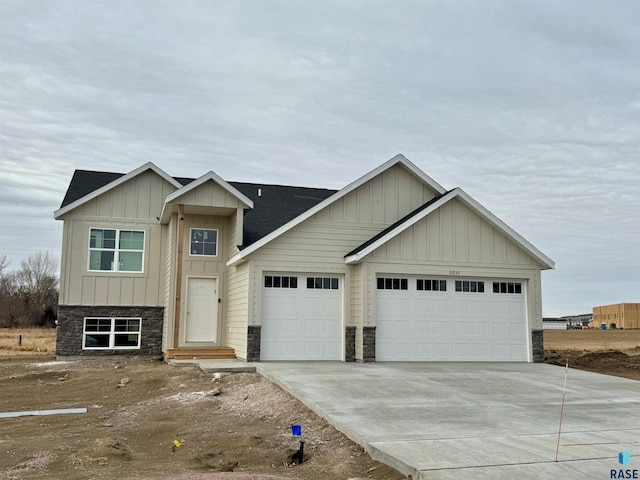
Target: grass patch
<point x="34" y="340"/>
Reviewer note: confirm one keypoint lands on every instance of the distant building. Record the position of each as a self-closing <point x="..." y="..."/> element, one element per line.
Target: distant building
<point x="554" y="323"/>
<point x="567" y="322"/>
<point x="622" y="315"/>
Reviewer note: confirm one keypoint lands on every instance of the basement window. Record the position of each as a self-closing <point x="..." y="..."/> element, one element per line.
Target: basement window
<point x="470" y="286"/>
<point x="428" y="285"/>
<point x="385" y="283"/>
<point x="111" y="334"/>
<point x="507" y="287"/>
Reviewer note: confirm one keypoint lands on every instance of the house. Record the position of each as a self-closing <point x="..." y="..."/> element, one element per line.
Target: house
<point x="392" y="267"/>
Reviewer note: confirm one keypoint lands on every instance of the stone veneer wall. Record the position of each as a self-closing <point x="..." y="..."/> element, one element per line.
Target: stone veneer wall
<point x="253" y="343"/>
<point x="537" y="342"/>
<point x="368" y="344"/>
<point x="350" y="344"/>
<point x="71" y="325"/>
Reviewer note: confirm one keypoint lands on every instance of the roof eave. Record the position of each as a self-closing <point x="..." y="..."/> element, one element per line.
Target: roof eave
<point x="401" y="159"/>
<point x="119" y="181"/>
<point x="456" y="192"/>
<point x="217" y="179"/>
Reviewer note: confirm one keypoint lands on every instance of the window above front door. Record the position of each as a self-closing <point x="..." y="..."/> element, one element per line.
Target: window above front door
<point x="203" y="242"/>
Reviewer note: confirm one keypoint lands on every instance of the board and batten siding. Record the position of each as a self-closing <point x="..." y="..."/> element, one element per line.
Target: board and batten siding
<point x="133" y="205"/>
<point x="237" y="318"/>
<point x="210" y="194"/>
<point x="319" y="243"/>
<point x="454" y="233"/>
<point x="455" y="242"/>
<point x="204" y="266"/>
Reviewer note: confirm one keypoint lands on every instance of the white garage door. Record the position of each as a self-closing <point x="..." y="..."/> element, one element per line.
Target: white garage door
<point x="440" y="319"/>
<point x="301" y="317"/>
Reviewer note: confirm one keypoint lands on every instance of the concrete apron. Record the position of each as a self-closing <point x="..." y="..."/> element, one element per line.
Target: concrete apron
<point x="442" y="420"/>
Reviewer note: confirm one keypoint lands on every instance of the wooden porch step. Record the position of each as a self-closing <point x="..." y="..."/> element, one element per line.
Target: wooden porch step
<point x="200" y="353"/>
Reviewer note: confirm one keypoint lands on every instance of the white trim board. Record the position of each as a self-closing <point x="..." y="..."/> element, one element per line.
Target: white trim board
<point x="398" y="159"/>
<point x="470" y="202"/>
<point x="119" y="181"/>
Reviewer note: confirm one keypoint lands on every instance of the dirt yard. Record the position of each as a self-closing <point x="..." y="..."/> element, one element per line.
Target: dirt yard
<point x="138" y="407"/>
<point x="234" y="427"/>
<point x="614" y="352"/>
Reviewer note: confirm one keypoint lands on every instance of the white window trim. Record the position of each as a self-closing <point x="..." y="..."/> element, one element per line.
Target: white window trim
<point x="116" y="255"/>
<point x="111" y="333"/>
<point x="217" y="242"/>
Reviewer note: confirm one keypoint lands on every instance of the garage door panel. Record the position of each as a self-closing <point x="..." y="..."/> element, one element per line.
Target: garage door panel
<point x="448" y="325"/>
<point x="423" y="327"/>
<point x="302" y="323"/>
<point x="462" y="329"/>
<point x="441" y="328"/>
<point x="480" y="328"/>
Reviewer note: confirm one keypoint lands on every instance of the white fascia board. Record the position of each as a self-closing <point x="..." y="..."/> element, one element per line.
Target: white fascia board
<point x="205" y="178"/>
<point x="510" y="232"/>
<point x="336" y="196"/>
<point x="115" y="183"/>
<point x="164" y="215"/>
<point x="466" y="198"/>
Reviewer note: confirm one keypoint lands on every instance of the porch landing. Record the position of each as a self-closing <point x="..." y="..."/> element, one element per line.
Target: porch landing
<point x="218" y="353"/>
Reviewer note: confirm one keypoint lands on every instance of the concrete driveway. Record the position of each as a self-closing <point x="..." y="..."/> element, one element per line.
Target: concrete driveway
<point x="474" y="420"/>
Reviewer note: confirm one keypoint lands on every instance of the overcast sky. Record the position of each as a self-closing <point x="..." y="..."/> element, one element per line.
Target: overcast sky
<point x="532" y="107"/>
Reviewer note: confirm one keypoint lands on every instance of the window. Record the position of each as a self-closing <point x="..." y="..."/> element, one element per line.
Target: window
<point x="507" y="287"/>
<point x="111" y="333"/>
<point x="116" y="250"/>
<point x="322" y="283"/>
<point x="431" y="285"/>
<point x="392" y="283"/>
<point x="277" y="281"/>
<point x="204" y="242"/>
<point x="470" y="286"/>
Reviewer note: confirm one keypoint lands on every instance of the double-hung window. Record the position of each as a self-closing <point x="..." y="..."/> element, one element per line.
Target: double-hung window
<point x="114" y="250"/>
<point x="111" y="333"/>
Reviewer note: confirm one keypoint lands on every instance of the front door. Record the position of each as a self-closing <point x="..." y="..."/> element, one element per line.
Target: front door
<point x="202" y="310"/>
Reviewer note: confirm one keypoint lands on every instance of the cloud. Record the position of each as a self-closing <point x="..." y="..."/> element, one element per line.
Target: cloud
<point x="531" y="107"/>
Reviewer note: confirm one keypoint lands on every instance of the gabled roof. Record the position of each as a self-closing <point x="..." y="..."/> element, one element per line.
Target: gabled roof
<point x="112" y="180"/>
<point x="205" y="178"/>
<point x="211" y="176"/>
<point x="404" y="220"/>
<point x="398" y="159"/>
<point x="421" y="212"/>
<point x="277" y="204"/>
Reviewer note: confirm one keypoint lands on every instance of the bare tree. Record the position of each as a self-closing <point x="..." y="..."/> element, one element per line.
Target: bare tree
<point x="29" y="296"/>
<point x="38" y="282"/>
<point x="4" y="263"/>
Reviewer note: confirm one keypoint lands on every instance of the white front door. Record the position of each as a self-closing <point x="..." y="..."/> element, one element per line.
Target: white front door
<point x="202" y="310"/>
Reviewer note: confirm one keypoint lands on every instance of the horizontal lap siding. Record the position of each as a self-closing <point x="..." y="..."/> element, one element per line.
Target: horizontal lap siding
<point x="238" y="309"/>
